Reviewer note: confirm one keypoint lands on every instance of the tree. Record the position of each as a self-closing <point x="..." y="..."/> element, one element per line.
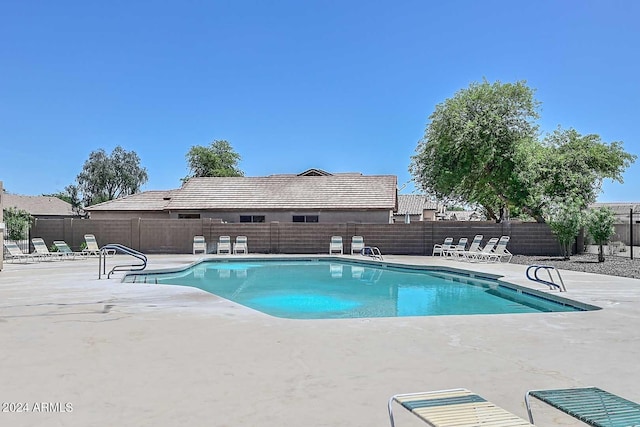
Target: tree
<point x="575" y="165"/>
<point x="107" y="177"/>
<point x="481" y="147"/>
<point x="17" y="222"/>
<point x="600" y="227"/>
<point x="70" y="195"/>
<point x="470" y="150"/>
<point x="565" y="220"/>
<point x="218" y="159"/>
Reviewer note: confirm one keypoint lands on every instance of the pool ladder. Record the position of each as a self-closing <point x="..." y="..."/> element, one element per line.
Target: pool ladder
<point x="551" y="283"/>
<point x="112" y="249"/>
<point x="372" y="251"/>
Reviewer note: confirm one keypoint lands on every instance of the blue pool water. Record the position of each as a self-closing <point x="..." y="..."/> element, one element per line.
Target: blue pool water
<point x="323" y="289"/>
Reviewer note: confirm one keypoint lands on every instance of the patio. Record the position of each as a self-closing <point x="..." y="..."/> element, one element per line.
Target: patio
<point x="148" y="355"/>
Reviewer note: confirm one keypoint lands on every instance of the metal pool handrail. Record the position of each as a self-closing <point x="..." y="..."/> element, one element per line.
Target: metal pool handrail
<point x="115" y="247"/>
<point x="551" y="282"/>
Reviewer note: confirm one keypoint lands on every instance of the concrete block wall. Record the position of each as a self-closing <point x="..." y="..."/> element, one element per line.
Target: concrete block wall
<point x="622" y="233"/>
<point x="310" y="238"/>
<point x="258" y="235"/>
<point x="176" y="235"/>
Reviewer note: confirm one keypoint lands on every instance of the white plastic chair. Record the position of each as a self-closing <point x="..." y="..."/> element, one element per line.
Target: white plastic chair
<point x="357" y="244"/>
<point x="240" y="246"/>
<point x="199" y="245"/>
<point x="335" y="246"/>
<point x="224" y="245"/>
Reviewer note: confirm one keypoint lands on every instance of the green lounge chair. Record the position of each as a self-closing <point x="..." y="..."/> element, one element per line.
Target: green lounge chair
<point x="66" y="251"/>
<point x="590" y="405"/>
<point x="454" y="408"/>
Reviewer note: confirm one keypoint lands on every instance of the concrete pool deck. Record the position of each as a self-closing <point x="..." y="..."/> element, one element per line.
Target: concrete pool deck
<point x="148" y="355"/>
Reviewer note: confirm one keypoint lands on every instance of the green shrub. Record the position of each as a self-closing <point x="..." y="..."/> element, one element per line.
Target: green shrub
<point x="17" y="222"/>
<point x="600" y="226"/>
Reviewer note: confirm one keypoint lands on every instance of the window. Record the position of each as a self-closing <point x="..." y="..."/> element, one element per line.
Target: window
<point x="305" y="218"/>
<point x="251" y="218"/>
<point x="188" y="216"/>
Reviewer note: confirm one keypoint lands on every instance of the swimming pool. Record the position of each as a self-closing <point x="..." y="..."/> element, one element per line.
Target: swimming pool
<point x="330" y="288"/>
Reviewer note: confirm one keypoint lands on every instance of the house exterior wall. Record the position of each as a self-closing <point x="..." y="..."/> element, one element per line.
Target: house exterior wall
<point x="371" y="216"/>
<point x="129" y="214"/>
<point x="324" y="216"/>
<point x="176" y="236"/>
<point x="429" y="215"/>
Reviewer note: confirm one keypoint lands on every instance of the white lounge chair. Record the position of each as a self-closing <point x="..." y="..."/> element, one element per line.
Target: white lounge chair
<point x="487" y="251"/>
<point x="224" y="245"/>
<point x="500" y="251"/>
<point x="335" y="246"/>
<point x="454" y="408"/>
<point x="440" y="248"/>
<point x="199" y="245"/>
<point x="15" y="253"/>
<point x="40" y="248"/>
<point x="240" y="245"/>
<point x="455" y="251"/>
<point x="473" y="250"/>
<point x="357" y="244"/>
<point x="91" y="244"/>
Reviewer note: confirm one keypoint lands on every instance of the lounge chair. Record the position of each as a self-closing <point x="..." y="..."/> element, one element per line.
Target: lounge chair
<point x="357" y="244"/>
<point x="40" y="249"/>
<point x="440" y="248"/>
<point x="453" y="408"/>
<point x="335" y="246"/>
<point x="240" y="245"/>
<point x="500" y="251"/>
<point x="199" y="245"/>
<point x="93" y="248"/>
<point x="473" y="250"/>
<point x="487" y="250"/>
<point x="91" y="243"/>
<point x="15" y="253"/>
<point x="455" y="251"/>
<point x="590" y="405"/>
<point x="66" y="251"/>
<point x="224" y="245"/>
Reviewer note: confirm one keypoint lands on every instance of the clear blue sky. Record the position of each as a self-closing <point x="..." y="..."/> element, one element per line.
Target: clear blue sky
<point x="338" y="85"/>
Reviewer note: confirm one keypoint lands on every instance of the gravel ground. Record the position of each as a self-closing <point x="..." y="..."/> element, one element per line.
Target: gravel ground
<point x="612" y="265"/>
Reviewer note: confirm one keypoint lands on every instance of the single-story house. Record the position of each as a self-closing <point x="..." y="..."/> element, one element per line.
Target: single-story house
<point x="311" y="196"/>
<point x="417" y="207"/>
<point x="621" y="210"/>
<point x="42" y="207"/>
<point x="470" y="215"/>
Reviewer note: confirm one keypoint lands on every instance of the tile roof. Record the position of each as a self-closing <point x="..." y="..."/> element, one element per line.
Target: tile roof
<point x="340" y="191"/>
<point x="155" y="200"/>
<point x="619" y="208"/>
<point x="414" y="204"/>
<point x="465" y="216"/>
<point x="38" y="205"/>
